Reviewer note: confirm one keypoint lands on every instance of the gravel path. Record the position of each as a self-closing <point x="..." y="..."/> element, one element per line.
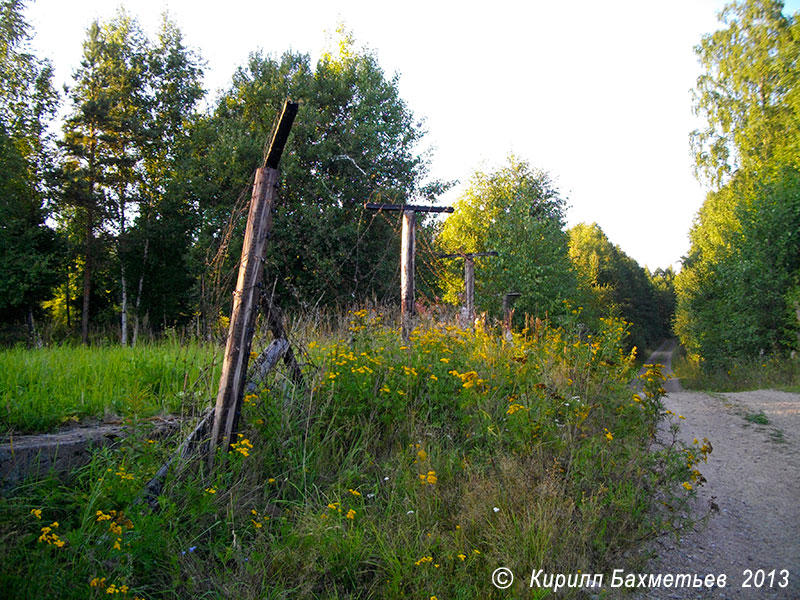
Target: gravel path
<point x="753" y="478"/>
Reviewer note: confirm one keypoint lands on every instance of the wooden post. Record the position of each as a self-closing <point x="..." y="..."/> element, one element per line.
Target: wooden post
<point x="407" y="257"/>
<point x="247" y="294"/>
<point x="469" y="280"/>
<point x="508" y="312"/>
<point x="407" y="273"/>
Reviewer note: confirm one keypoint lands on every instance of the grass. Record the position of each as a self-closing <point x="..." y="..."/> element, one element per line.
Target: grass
<point x="41" y="389"/>
<point x="769" y="372"/>
<point x="402" y="471"/>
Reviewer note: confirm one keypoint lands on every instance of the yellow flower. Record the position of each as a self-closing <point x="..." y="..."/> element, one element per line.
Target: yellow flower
<point x="210" y="490"/>
<point x="256" y="523"/>
<point x="434" y="378"/>
<point x="422" y="454"/>
<point x="354" y="492"/>
<point x="444" y="360"/>
<point x="609" y="435"/>
<point x="351" y="514"/>
<point x="271" y="480"/>
<point x="37" y="512"/>
<point x="117" y="545"/>
<point x="687" y="485"/>
<point x="462" y="556"/>
<point x="429" y="478"/>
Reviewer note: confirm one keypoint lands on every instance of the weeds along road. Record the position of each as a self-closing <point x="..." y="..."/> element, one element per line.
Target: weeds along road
<point x="753" y="477"/>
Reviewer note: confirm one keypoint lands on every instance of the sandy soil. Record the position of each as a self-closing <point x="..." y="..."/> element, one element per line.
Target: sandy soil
<point x="753" y="478"/>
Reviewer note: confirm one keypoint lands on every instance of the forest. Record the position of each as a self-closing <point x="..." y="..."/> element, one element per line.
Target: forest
<point x="125" y="220"/>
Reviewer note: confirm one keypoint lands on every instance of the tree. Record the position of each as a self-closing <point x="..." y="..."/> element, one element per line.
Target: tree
<point x="132" y="101"/>
<point x="617" y="285"/>
<point x="734" y="292"/>
<point x="749" y="92"/>
<point x="28" y="257"/>
<point x="353" y="140"/>
<point x="517" y="211"/>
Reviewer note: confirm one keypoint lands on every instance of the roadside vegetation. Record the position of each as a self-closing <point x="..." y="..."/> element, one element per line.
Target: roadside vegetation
<point x="401" y="472"/>
<point x="767" y="372"/>
<point x="44" y="388"/>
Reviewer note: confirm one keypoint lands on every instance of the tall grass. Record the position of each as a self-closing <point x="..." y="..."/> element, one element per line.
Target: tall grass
<point x="401" y="471"/>
<point x="767" y="372"/>
<point x="40" y="389"/>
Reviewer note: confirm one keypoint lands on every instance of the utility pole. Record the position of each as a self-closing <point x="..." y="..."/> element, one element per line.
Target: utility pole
<point x="469" y="280"/>
<point x="248" y="289"/>
<point x="407" y="250"/>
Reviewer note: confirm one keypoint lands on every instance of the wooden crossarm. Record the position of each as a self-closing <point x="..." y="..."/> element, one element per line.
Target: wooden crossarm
<point x="405" y="207"/>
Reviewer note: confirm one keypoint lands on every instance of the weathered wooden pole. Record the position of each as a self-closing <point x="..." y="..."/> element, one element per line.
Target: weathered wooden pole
<point x="508" y="312"/>
<point x="247" y="294"/>
<point x="407" y="248"/>
<point x="469" y="280"/>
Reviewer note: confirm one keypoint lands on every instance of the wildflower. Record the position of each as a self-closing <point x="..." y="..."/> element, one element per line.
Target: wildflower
<point x="476" y="551"/>
<point x="98" y="582"/>
<point x="444" y="360"/>
<point x="351" y="514"/>
<point x="256" y="524"/>
<point x="117" y="545"/>
<point x="271" y="480"/>
<point x="687" y="485"/>
<point x="354" y="492"/>
<point x="609" y="435"/>
<point x="243" y="446"/>
<point x="37" y="512"/>
<point x="422" y="454"/>
<point x="495" y="509"/>
<point x="429" y="478"/>
<point x="462" y="556"/>
<point x="210" y="490"/>
<point x="423" y="560"/>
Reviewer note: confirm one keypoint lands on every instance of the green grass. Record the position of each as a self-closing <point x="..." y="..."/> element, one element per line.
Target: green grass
<point x="769" y="372"/>
<point x="401" y="472"/>
<point x="41" y="389"/>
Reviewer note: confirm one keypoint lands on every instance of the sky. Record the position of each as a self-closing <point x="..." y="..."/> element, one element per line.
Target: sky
<point x="596" y="93"/>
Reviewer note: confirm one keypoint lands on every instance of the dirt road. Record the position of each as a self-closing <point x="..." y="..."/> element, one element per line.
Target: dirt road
<point x="754" y="478"/>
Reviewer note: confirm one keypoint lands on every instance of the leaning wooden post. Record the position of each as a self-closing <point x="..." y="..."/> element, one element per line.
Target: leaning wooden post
<point x="469" y="280"/>
<point x="247" y="294"/>
<point x="407" y="256"/>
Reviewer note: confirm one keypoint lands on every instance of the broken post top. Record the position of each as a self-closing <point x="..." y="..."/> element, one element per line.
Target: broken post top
<point x="404" y="207"/>
<point x="469" y="254"/>
<point x="281" y="134"/>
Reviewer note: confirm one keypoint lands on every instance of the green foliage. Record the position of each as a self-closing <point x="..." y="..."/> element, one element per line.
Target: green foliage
<point x="749" y="92"/>
<point x="518" y="212"/>
<point x="616" y="285"/>
<point x="353" y="141"/>
<point x="28" y="246"/>
<point x="542" y="458"/>
<point x="735" y="291"/>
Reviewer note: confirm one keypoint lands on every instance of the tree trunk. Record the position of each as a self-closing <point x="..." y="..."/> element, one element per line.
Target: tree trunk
<point x="87" y="278"/>
<point x="139" y="294"/>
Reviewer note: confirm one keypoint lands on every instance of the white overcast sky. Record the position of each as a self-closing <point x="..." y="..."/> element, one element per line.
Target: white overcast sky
<point x="595" y="92"/>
